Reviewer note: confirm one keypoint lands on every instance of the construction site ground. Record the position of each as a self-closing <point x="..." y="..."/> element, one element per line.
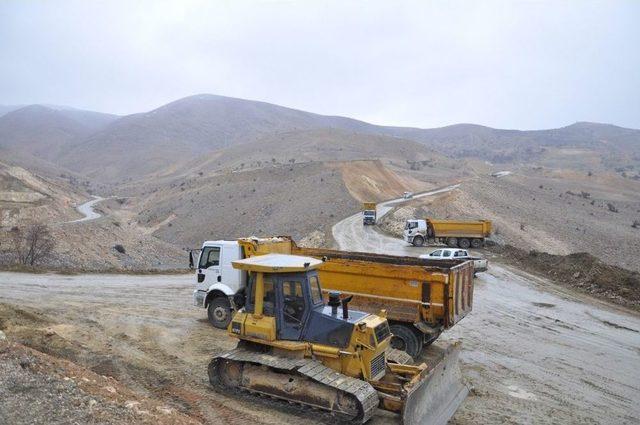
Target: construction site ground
<point x="533" y="352"/>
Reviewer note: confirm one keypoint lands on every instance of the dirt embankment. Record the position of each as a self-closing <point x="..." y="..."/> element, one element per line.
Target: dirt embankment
<point x="581" y="271"/>
<point x="56" y="390"/>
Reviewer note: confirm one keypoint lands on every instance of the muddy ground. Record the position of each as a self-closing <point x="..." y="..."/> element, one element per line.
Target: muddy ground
<point x="534" y="354"/>
<point x="534" y="351"/>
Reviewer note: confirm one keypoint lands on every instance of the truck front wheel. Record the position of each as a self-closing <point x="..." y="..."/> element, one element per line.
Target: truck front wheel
<point x="418" y="241"/>
<point x="406" y="340"/>
<point x="219" y="312"/>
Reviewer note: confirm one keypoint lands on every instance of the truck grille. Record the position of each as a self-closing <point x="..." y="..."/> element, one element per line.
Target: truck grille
<point x="378" y="366"/>
<point x="382" y="331"/>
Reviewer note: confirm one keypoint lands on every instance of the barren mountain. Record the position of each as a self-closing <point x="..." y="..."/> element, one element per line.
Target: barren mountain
<point x="497" y="145"/>
<point x="45" y="132"/>
<point x="5" y="109"/>
<point x="141" y="144"/>
<point x="196" y="128"/>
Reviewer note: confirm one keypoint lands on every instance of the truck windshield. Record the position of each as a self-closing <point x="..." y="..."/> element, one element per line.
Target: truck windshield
<point x="210" y="256"/>
<point x="411" y="225"/>
<point x="369" y="213"/>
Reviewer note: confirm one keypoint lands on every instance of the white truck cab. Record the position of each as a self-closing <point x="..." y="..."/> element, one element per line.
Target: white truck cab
<point x="415" y="232"/>
<point x="217" y="281"/>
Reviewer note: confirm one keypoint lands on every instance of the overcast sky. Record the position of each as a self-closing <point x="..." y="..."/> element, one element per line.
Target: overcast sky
<point x="508" y="64"/>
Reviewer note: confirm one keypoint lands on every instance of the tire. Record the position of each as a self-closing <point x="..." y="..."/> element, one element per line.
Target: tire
<point x="464" y="243"/>
<point x="418" y="241"/>
<point x="452" y="242"/>
<point x="406" y="339"/>
<point x="219" y="312"/>
<point x="476" y="243"/>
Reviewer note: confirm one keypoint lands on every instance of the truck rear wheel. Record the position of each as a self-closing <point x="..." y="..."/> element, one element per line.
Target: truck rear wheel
<point x="406" y="339"/>
<point x="418" y="241"/>
<point x="219" y="312"/>
<point x="476" y="243"/>
<point x="464" y="243"/>
<point x="452" y="242"/>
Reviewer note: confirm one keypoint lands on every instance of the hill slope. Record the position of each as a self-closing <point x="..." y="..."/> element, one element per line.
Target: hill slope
<point x="45" y="132"/>
<point x="141" y="144"/>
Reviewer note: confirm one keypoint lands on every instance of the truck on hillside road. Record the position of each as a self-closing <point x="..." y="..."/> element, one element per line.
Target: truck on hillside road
<point x="455" y="233"/>
<point x="369" y="213"/>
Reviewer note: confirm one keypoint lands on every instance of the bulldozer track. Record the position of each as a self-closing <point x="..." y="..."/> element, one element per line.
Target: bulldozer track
<point x="362" y="391"/>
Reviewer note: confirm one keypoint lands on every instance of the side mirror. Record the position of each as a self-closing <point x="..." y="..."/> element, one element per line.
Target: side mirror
<point x="191" y="260"/>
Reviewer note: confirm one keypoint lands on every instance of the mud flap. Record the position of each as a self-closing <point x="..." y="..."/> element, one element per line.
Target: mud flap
<point x="435" y="399"/>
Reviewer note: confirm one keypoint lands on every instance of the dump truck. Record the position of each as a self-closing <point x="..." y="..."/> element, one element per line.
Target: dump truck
<point x="422" y="297"/>
<point x="295" y="348"/>
<point x="454" y="233"/>
<point x="369" y="213"/>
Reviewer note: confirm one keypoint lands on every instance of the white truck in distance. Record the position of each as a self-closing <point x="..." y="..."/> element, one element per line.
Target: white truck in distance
<point x="479" y="264"/>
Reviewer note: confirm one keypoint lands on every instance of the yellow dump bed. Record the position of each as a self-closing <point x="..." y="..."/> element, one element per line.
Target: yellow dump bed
<point x="459" y="228"/>
<point x="431" y="295"/>
<point x="369" y="206"/>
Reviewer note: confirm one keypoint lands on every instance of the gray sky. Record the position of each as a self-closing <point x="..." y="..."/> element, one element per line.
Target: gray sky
<point x="508" y="64"/>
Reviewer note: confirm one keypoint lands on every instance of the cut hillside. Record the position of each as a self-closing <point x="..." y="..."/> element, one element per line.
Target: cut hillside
<point x="369" y="181"/>
<point x="25" y="196"/>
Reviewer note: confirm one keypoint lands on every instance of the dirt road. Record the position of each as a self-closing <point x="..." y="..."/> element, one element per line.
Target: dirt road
<point x="534" y="353"/>
<point x="87" y="210"/>
<point x="351" y="229"/>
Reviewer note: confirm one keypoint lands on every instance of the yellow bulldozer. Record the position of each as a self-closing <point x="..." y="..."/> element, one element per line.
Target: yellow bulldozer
<point x="295" y="348"/>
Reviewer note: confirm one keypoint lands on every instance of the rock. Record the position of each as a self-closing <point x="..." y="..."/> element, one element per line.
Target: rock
<point x="110" y="389"/>
<point x="164" y="409"/>
<point x="132" y="404"/>
<point x="576" y="275"/>
<point x="3" y="337"/>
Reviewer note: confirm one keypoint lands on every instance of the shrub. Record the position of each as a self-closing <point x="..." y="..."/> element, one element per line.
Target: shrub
<point x="119" y="248"/>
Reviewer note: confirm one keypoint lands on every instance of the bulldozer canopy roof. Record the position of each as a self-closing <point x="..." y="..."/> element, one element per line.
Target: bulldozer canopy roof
<point x="277" y="263"/>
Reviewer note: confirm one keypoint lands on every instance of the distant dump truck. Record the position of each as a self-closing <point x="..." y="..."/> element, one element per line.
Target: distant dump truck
<point x="422" y="297"/>
<point x="455" y="233"/>
<point x="369" y="213"/>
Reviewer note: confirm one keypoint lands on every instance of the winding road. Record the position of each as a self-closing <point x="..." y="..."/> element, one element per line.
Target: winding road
<point x="87" y="210"/>
<point x="534" y="352"/>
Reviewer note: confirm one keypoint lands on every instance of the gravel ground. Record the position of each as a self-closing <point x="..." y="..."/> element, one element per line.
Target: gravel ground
<point x="54" y="391"/>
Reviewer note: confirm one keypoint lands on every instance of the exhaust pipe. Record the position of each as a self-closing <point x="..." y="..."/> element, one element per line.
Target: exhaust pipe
<point x="334" y="302"/>
<point x="345" y="306"/>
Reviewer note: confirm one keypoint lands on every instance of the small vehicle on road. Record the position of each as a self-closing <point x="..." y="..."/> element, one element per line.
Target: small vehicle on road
<point x="407" y="195"/>
<point x="479" y="264"/>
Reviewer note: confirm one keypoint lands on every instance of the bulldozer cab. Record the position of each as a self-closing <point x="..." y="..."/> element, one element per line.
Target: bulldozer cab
<point x="285" y="290"/>
<point x="288" y="297"/>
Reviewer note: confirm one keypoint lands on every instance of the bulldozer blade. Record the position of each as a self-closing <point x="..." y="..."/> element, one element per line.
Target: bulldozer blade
<point x="435" y="399"/>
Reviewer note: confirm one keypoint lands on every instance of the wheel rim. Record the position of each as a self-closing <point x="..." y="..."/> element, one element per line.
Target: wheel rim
<point x="220" y="314"/>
